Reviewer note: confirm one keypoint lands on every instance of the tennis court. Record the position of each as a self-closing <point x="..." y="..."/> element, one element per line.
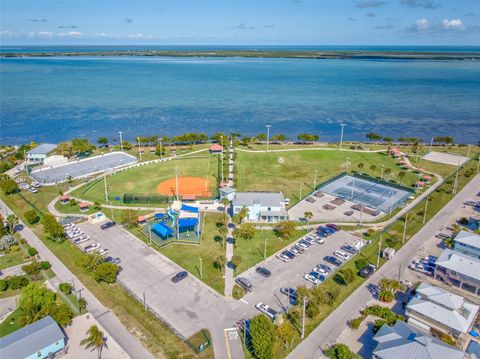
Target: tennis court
<point x="370" y="192"/>
<point x="82" y="168"/>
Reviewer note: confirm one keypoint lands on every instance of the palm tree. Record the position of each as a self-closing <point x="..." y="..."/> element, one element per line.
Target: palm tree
<point x="308" y="216"/>
<point x="12" y="221"/>
<point x="401" y="175"/>
<point x="243" y="214"/>
<point x="360" y="166"/>
<point x="373" y="168"/>
<point x="95" y="339"/>
<point x="387" y="172"/>
<point x="225" y="203"/>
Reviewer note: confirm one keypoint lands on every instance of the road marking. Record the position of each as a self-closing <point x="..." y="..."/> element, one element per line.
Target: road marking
<point x="228" y="345"/>
<point x="243" y="300"/>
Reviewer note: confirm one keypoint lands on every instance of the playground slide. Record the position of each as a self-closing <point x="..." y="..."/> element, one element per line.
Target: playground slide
<point x="171" y="214"/>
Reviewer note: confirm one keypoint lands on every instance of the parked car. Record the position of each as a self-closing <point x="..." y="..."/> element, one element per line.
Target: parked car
<point x="263" y="271"/>
<point x="367" y="271"/>
<point x="103" y="251"/>
<point x="33" y="190"/>
<point x="245" y="283"/>
<point x="305" y="242"/>
<point x="320" y="240"/>
<point x="309" y="239"/>
<point x="304" y="246"/>
<point x="320" y="270"/>
<point x="291" y="293"/>
<point x="113" y="260"/>
<point x="283" y="257"/>
<point x="333" y="226"/>
<point x="314" y="277"/>
<point x="294" y="250"/>
<point x="342" y="255"/>
<point x="91" y="248"/>
<point x="349" y="249"/>
<point x="325" y="268"/>
<point x="470" y="203"/>
<point x="289" y="254"/>
<point x="333" y="260"/>
<point x="443" y="236"/>
<point x="75" y="233"/>
<point x="108" y="225"/>
<point x="81" y="239"/>
<point x="267" y="310"/>
<point x="179" y="276"/>
<point x="68" y="226"/>
<point x="300" y="247"/>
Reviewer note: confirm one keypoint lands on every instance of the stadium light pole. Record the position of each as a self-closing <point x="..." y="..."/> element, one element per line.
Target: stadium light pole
<point x="342" y="125"/>
<point x="105" y="184"/>
<point x="379" y="250"/>
<point x="455" y="185"/>
<point x="221" y="154"/>
<point x="121" y="140"/>
<point x="176" y="181"/>
<point x="268" y="134"/>
<point x="425" y="209"/>
<point x="405" y="228"/>
<point x="139" y="153"/>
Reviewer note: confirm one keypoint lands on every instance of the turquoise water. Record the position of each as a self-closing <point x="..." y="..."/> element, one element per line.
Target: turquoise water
<point x="52" y="99"/>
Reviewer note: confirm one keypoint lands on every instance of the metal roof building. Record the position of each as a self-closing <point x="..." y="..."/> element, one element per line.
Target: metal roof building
<point x="37" y="340"/>
<point x="402" y="341"/>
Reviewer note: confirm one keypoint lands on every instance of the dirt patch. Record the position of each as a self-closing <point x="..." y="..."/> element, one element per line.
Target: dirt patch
<point x="130" y="185"/>
<point x="197" y="186"/>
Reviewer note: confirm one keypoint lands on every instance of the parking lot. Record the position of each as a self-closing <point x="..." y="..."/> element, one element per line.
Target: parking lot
<point x="290" y="274"/>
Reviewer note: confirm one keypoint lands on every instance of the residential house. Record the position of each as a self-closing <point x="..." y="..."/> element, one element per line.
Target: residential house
<point x="402" y="341"/>
<point x="467" y="243"/>
<point x="40" y="153"/>
<point x="438" y="309"/>
<point x="39" y="340"/>
<point x="262" y="206"/>
<point x="459" y="270"/>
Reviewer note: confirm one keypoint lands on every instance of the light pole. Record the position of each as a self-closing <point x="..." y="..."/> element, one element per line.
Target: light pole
<point x="301" y="190"/>
<point x="455" y="185"/>
<point x="405" y="228"/>
<point x="381" y="174"/>
<point x="268" y="134"/>
<point x="265" y="249"/>
<point x="121" y="140"/>
<point x="431" y="143"/>
<point x="139" y="152"/>
<point x="303" y="317"/>
<point x="379" y="250"/>
<point x="468" y="152"/>
<point x="341" y="135"/>
<point x="160" y="143"/>
<point x="315" y="180"/>
<point x="105" y="184"/>
<point x="221" y="154"/>
<point x="425" y="209"/>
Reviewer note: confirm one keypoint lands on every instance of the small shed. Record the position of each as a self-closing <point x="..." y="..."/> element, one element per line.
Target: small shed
<point x="84" y="206"/>
<point x="216" y="148"/>
<point x="228" y="193"/>
<point x="65" y="199"/>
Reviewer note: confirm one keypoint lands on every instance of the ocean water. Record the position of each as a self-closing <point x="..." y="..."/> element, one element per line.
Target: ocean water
<point x="53" y="99"/>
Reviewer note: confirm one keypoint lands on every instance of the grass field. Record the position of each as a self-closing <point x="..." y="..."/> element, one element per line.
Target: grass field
<point x="12" y="323"/>
<point x="12" y="259"/>
<point x="145" y="179"/>
<point x="294" y="171"/>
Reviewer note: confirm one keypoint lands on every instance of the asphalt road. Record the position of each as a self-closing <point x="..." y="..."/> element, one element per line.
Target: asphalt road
<point x="334" y="324"/>
<point x="104" y="316"/>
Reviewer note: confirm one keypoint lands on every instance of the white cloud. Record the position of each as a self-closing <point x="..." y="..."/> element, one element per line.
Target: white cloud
<point x="454" y="24"/>
<point x="70" y="34"/>
<point x="421" y="24"/>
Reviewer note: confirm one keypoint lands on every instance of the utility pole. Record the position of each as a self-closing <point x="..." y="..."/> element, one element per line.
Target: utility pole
<point x="105" y="184"/>
<point x="341" y="135"/>
<point x="161" y="152"/>
<point x="431" y="143"/>
<point x="176" y="181"/>
<point x="405" y="228"/>
<point x="201" y="269"/>
<point x="303" y="317"/>
<point x="425" y="209"/>
<point x="139" y="152"/>
<point x="121" y="140"/>
<point x="268" y="134"/>
<point x="379" y="250"/>
<point x="455" y="185"/>
<point x="265" y="249"/>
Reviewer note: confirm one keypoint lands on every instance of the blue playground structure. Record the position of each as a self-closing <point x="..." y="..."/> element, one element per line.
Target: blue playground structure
<point x="180" y="225"/>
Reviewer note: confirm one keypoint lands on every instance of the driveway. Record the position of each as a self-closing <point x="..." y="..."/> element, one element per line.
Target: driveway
<point x="335" y="323"/>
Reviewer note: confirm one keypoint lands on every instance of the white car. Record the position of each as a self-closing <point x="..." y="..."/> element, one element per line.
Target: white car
<point x="314" y="277"/>
<point x="103" y="251"/>
<point x="81" y="239"/>
<point x="320" y="270"/>
<point x="282" y="257"/>
<point x="92" y="248"/>
<point x="33" y="190"/>
<point x="301" y="246"/>
<point x="342" y="255"/>
<point x="294" y="251"/>
<point x="309" y="239"/>
<point x="68" y="226"/>
<point x="320" y="240"/>
<point x="267" y="310"/>
<point x="74" y="234"/>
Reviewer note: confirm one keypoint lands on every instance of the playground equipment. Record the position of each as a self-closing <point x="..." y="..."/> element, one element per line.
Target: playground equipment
<point x="180" y="222"/>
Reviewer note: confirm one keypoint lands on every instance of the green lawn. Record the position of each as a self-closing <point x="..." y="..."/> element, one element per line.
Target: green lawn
<point x="251" y="251"/>
<point x="287" y="171"/>
<point x="11" y="259"/>
<point x="145" y="179"/>
<point x="11" y="323"/>
<point x="210" y="248"/>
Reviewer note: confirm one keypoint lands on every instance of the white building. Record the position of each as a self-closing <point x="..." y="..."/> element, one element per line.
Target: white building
<point x="228" y="193"/>
<point x="262" y="206"/>
<point x="40" y="153"/>
<point x="468" y="243"/>
<point x="436" y="308"/>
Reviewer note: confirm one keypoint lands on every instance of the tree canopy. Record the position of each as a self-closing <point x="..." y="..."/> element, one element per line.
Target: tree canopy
<point x="262" y="332"/>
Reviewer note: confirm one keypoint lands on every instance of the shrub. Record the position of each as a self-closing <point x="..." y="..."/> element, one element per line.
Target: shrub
<point x="17" y="282"/>
<point x="360" y="263"/>
<point x="355" y="322"/>
<point x="340" y="351"/>
<point x="32" y="268"/>
<point x="106" y="272"/>
<point x="383" y="313"/>
<point x="463" y="221"/>
<point x="3" y="285"/>
<point x="65" y="288"/>
<point x="45" y="265"/>
<point x="32" y="251"/>
<point x="32" y="216"/>
<point x="312" y="309"/>
<point x="378" y="324"/>
<point x="386" y="296"/>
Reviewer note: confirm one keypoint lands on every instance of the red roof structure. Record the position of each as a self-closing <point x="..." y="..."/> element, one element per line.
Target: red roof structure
<point x="84" y="205"/>
<point x="216" y="148"/>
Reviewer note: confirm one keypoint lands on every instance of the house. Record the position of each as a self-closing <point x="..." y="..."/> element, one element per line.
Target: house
<point x="438" y="309"/>
<point x="228" y="193"/>
<point x="216" y="148"/>
<point x="467" y="243"/>
<point x="402" y="341"/>
<point x="40" y="153"/>
<point x="42" y="339"/>
<point x="262" y="206"/>
<point x="459" y="270"/>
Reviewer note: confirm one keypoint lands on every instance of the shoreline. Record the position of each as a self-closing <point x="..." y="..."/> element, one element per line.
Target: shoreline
<point x="271" y="54"/>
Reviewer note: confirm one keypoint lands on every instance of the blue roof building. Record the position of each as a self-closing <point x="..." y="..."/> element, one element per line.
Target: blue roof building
<point x="38" y="340"/>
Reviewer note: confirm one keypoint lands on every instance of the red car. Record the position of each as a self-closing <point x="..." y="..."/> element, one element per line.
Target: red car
<point x="333" y="226"/>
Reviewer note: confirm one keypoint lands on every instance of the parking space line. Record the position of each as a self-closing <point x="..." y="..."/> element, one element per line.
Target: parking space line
<point x="227" y="343"/>
<point x="243" y="300"/>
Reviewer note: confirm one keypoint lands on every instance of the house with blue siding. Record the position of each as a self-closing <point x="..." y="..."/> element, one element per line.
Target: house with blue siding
<point x="467" y="243"/>
<point x="39" y="340"/>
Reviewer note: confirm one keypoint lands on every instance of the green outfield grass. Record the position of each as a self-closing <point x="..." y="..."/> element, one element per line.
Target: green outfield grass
<point x="145" y="179"/>
<point x="287" y="171"/>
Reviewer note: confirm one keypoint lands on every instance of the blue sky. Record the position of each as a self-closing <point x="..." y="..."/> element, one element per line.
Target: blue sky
<point x="300" y="22"/>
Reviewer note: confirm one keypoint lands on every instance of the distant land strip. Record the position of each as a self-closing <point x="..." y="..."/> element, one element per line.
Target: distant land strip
<point x="400" y="55"/>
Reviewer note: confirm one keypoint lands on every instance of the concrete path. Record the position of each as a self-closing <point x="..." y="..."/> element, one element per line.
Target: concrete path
<point x="106" y="318"/>
<point x="11" y="271"/>
<point x="7" y="306"/>
<point x="229" y="272"/>
<point x="334" y="324"/>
